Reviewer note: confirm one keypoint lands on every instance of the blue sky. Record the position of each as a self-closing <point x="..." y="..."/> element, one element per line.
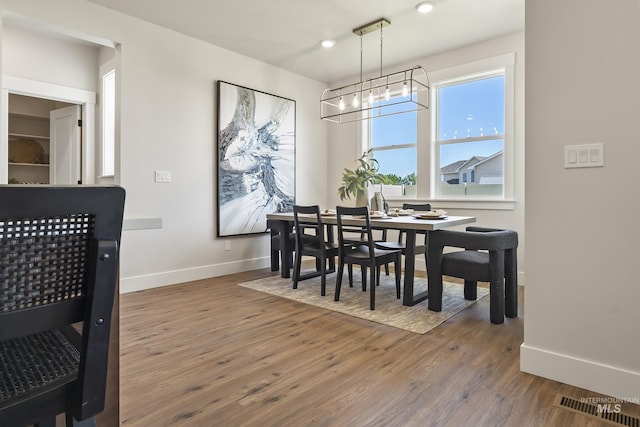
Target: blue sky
<point x="472" y="109"/>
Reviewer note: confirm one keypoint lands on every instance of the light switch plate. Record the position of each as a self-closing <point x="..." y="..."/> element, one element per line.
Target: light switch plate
<point x="584" y="156"/>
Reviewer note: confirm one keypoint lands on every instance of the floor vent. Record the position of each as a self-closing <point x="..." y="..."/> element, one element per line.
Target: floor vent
<point x="609" y="412"/>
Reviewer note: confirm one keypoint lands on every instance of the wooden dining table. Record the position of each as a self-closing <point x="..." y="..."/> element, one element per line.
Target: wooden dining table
<point x="409" y="224"/>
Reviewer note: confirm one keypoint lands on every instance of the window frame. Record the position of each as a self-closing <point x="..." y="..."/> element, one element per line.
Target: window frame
<point x="427" y="169"/>
<point x="368" y="133"/>
<point x="499" y="65"/>
<point x="107" y="148"/>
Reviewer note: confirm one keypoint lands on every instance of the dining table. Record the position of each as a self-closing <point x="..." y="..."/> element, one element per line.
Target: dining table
<point x="409" y="224"/>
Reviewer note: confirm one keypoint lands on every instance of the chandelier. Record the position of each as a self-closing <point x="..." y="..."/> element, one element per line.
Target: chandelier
<point x="395" y="93"/>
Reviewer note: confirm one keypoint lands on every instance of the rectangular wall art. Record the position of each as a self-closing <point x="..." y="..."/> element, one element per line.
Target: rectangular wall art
<point x="256" y="158"/>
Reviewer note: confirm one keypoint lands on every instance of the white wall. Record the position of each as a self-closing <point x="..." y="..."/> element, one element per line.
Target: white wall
<point x="168" y="118"/>
<point x="56" y="60"/>
<point x="583" y="290"/>
<point x="344" y="141"/>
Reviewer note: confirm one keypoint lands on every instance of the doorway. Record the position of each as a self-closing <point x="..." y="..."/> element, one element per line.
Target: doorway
<point x="44" y="141"/>
<point x="32" y="101"/>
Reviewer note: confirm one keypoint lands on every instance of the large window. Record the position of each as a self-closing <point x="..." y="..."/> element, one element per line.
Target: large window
<point x="470" y="136"/>
<point x="394" y="142"/>
<point x="463" y="150"/>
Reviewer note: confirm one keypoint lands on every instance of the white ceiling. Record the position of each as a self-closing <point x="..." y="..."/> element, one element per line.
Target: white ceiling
<point x="286" y="33"/>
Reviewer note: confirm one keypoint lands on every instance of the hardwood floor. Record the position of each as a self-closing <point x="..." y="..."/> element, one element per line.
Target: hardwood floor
<point x="210" y="353"/>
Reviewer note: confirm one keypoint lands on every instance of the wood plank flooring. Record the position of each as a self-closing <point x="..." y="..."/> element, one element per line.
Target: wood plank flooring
<point x="210" y="353"/>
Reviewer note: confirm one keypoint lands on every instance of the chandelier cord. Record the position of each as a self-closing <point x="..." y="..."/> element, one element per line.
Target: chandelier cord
<point x="380" y="51"/>
<point x="361" y="55"/>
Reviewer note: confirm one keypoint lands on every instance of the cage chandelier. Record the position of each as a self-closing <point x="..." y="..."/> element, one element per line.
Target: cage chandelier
<point x="395" y="93"/>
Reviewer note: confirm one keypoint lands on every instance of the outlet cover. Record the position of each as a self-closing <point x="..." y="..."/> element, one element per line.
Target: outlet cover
<point x="163" y="176"/>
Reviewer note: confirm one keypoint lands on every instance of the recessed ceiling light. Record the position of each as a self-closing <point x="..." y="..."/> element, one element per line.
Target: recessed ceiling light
<point x="327" y="43"/>
<point x="424" y="7"/>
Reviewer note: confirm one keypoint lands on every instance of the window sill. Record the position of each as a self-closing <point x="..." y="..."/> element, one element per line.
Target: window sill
<point x="472" y="204"/>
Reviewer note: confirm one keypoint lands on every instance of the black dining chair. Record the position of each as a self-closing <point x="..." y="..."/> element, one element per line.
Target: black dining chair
<point x="361" y="252"/>
<point x="400" y="244"/>
<point x="490" y="255"/>
<point x="310" y="241"/>
<point x="59" y="251"/>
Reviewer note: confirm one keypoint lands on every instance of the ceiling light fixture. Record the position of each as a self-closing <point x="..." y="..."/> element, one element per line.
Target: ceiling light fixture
<point x="424" y="7"/>
<point x="383" y="91"/>
<point x="327" y="43"/>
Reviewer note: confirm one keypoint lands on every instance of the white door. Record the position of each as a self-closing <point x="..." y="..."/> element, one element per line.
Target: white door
<point x="65" y="143"/>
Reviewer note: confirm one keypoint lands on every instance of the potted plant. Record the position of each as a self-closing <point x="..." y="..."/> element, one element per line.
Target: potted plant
<point x="355" y="182"/>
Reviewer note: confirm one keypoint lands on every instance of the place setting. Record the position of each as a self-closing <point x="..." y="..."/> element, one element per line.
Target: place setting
<point x="328" y="212"/>
<point x="394" y="212"/>
<point x="433" y="214"/>
<point x="374" y="215"/>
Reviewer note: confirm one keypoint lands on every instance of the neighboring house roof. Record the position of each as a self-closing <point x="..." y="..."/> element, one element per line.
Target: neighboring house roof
<point x="463" y="164"/>
<point x="486" y="159"/>
<point x="453" y="167"/>
<point x="472" y="161"/>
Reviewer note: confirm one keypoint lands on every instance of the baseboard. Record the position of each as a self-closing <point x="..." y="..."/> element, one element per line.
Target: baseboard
<point x="587" y="374"/>
<point x="165" y="278"/>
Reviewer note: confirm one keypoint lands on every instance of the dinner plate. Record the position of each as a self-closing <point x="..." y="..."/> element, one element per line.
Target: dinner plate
<point x="430" y="216"/>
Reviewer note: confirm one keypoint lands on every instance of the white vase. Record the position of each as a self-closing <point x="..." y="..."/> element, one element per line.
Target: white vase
<point x="362" y="199"/>
<point x="377" y="202"/>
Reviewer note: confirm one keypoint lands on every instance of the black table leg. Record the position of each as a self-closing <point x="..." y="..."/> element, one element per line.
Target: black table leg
<point x="332" y="260"/>
<point x="434" y="275"/>
<point x="275" y="252"/>
<point x="281" y="228"/>
<point x="408" y="297"/>
<point x="286" y="251"/>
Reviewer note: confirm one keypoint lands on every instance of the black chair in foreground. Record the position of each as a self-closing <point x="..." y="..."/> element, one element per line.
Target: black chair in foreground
<point x="497" y="264"/>
<point x="362" y="252"/>
<point x="310" y="241"/>
<point x="59" y="251"/>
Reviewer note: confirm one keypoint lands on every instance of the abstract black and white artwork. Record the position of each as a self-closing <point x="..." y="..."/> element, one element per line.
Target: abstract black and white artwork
<point x="256" y="158"/>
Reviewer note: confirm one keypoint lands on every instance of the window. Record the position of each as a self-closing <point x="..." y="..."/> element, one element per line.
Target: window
<point x="470" y="136"/>
<point x="462" y="149"/>
<point x="471" y="132"/>
<point x="108" y="123"/>
<point x="394" y="143"/>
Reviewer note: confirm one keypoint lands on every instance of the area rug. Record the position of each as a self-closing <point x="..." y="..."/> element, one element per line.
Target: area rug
<point x="353" y="302"/>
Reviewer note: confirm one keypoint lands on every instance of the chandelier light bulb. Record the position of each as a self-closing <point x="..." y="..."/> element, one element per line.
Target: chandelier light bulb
<point x="370" y="97"/>
<point x="341" y="104"/>
<point x="387" y="94"/>
<point x="355" y="101"/>
<point x="405" y="90"/>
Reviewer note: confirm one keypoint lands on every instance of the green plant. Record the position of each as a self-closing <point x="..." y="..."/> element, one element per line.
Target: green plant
<point x="357" y="180"/>
<point x="393" y="179"/>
